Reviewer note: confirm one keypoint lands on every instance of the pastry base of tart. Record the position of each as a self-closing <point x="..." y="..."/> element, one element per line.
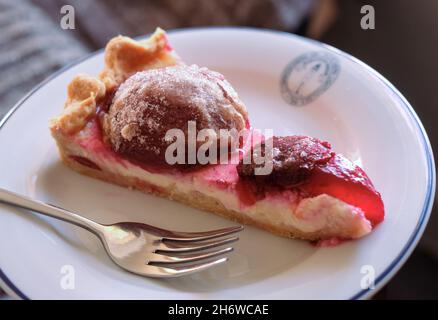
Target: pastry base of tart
<point x="193" y="199"/>
<point x="214" y="190"/>
<point x="201" y="201"/>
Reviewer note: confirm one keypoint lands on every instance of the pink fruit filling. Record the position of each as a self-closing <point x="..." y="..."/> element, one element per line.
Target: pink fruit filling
<point x="337" y="177"/>
<point x="85" y="162"/>
<point x="342" y="179"/>
<point x="309" y="167"/>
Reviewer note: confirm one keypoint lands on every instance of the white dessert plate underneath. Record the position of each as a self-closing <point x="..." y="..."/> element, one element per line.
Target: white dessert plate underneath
<point x="290" y="84"/>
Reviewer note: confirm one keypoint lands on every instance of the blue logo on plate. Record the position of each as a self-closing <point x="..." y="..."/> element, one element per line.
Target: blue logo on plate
<point x="308" y="76"/>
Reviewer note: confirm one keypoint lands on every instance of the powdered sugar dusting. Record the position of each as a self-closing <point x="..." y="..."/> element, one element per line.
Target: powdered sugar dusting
<point x="151" y="102"/>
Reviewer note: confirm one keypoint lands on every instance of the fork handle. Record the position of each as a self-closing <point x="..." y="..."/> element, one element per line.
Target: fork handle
<point x="20" y="201"/>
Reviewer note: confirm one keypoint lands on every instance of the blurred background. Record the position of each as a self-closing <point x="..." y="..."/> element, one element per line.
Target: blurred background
<point x="403" y="47"/>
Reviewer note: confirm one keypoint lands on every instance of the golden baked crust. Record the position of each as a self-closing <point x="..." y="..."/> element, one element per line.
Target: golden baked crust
<point x="123" y="57"/>
<point x="82" y="95"/>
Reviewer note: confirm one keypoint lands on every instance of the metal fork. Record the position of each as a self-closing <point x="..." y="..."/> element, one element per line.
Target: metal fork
<point x="141" y="248"/>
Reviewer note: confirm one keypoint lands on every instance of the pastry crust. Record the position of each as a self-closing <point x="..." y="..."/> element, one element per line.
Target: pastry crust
<point x="193" y="199"/>
<point x="82" y="95"/>
<point x="338" y="222"/>
<point x="123" y="57"/>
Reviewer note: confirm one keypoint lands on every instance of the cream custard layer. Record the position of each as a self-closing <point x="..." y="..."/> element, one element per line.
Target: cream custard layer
<point x="214" y="189"/>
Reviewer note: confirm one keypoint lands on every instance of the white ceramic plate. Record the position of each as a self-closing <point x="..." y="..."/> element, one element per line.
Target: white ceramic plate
<point x="326" y="93"/>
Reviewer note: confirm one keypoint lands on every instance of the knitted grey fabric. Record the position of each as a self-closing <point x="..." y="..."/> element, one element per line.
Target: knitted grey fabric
<point x="33" y="45"/>
<point x="99" y="20"/>
<point x="31" y="48"/>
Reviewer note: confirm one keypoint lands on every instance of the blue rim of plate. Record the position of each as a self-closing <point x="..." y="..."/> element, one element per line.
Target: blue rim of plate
<point x="401" y="258"/>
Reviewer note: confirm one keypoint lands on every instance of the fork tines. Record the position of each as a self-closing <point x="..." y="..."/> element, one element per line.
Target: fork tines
<point x="186" y="252"/>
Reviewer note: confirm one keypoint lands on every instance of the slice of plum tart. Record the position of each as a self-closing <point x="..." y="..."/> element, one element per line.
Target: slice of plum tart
<point x="115" y="126"/>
